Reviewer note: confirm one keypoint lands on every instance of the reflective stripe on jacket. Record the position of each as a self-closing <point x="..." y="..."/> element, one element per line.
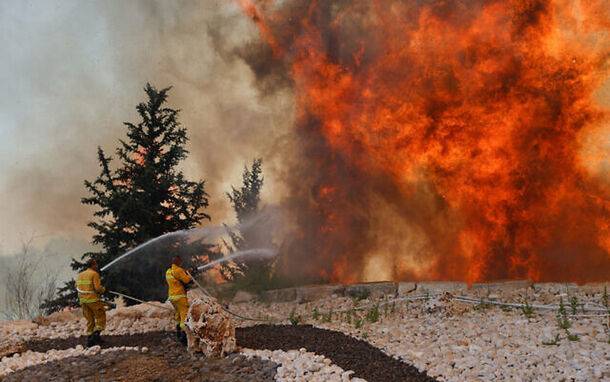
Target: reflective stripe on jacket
<point x="176" y="278"/>
<point x="89" y="286"/>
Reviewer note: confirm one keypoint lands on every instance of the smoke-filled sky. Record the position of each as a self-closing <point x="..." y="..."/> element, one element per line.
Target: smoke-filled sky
<point x="349" y="107"/>
<point x="73" y="71"/>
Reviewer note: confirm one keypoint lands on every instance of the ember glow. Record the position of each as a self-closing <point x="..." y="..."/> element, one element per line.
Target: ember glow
<point x="468" y="130"/>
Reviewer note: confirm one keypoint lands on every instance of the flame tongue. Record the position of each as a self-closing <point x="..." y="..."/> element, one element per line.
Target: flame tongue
<point x="483" y="105"/>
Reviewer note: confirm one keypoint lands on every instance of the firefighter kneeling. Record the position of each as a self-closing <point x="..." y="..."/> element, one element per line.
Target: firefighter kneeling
<point x="177" y="281"/>
<point x="89" y="287"/>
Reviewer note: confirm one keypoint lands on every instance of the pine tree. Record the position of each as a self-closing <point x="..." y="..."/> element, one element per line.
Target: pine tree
<point x="253" y="274"/>
<point x="144" y="197"/>
<point x="245" y="201"/>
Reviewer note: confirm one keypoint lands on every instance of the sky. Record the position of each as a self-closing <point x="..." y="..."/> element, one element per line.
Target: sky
<point x="72" y="73"/>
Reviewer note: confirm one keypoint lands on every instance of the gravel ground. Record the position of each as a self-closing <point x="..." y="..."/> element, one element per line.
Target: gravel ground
<point x="349" y="353"/>
<point x="346" y="352"/>
<point x="301" y="365"/>
<point x="448" y="340"/>
<point x="165" y="360"/>
<point x="452" y="341"/>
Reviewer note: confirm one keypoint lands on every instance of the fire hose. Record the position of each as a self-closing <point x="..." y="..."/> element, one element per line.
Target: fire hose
<point x="202" y="289"/>
<point x="140" y="301"/>
<point x="223" y="307"/>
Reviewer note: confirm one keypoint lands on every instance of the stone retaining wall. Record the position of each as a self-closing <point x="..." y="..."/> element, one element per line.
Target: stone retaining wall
<point x="389" y="288"/>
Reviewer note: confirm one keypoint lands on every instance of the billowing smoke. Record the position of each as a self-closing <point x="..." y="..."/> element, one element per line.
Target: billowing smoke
<point x="445" y="139"/>
<point x="74" y="73"/>
<point x="423" y="139"/>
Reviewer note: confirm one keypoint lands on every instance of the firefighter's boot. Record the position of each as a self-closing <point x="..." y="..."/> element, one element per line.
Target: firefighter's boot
<point x="90" y="341"/>
<point x="183" y="339"/>
<point x="97" y="338"/>
<point x="178" y="331"/>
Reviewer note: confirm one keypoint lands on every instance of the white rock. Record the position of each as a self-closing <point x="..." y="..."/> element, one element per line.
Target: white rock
<point x="210" y="329"/>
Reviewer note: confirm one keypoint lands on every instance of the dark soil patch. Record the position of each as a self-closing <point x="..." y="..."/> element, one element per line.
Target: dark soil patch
<point x="165" y="361"/>
<point x="149" y="339"/>
<point x="349" y="353"/>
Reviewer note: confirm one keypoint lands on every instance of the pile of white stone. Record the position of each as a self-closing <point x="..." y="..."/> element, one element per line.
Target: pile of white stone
<point x="29" y="358"/>
<point x="140" y="318"/>
<point x="457" y="341"/>
<point x="70" y="323"/>
<point x="423" y="325"/>
<point x="301" y="365"/>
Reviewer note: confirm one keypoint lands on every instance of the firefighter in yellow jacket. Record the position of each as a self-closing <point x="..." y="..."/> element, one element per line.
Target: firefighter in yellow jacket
<point x="177" y="280"/>
<point x="89" y="287"/>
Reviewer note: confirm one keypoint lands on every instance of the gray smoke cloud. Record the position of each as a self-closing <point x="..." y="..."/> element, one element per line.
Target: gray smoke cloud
<point x="74" y="71"/>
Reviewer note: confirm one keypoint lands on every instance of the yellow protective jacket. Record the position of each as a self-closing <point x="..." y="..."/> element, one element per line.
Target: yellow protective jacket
<point x="176" y="278"/>
<point x="89" y="286"/>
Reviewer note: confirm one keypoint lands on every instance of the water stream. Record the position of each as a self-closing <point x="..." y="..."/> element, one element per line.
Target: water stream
<point x="266" y="220"/>
<point x="259" y="252"/>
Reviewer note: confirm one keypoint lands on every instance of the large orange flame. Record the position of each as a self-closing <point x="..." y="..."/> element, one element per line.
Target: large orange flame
<point x="484" y="106"/>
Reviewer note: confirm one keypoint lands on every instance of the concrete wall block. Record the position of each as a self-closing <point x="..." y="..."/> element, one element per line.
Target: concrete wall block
<point x="503" y="285"/>
<point x="555" y="288"/>
<point x="441" y="286"/>
<point x="317" y="292"/>
<point x="406" y="287"/>
<point x="243" y="296"/>
<point x="372" y="290"/>
<point x="280" y="295"/>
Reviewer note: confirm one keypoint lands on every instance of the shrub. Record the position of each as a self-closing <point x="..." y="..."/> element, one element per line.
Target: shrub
<point x="327" y="317"/>
<point x="574" y="304"/>
<point x="572" y="337"/>
<point x="562" y="316"/>
<point x="294" y="318"/>
<point x="527" y="310"/>
<point x="373" y="314"/>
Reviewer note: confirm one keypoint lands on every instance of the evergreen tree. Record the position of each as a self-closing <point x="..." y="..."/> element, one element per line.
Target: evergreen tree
<point x="254" y="273"/>
<point x="245" y="201"/>
<point x="144" y="197"/>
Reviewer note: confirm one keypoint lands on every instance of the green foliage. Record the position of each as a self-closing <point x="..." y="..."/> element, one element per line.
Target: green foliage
<point x="349" y="314"/>
<point x="574" y="304"/>
<point x="563" y="323"/>
<point x="245" y="200"/>
<point x="327" y="317"/>
<point x="572" y="337"/>
<point x="315" y="314"/>
<point x="562" y="316"/>
<point x="143" y="196"/>
<point x="253" y="274"/>
<point x="358" y="323"/>
<point x="373" y="314"/>
<point x="294" y="318"/>
<point x="605" y="298"/>
<point x="527" y="310"/>
<point x="552" y="342"/>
